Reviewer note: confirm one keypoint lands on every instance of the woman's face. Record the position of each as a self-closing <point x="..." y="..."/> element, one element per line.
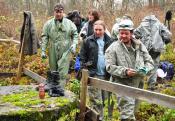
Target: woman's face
<point x="91" y="17"/>
<point x="99" y="30"/>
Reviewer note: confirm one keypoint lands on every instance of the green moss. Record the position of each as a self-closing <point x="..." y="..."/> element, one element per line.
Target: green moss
<point x="29" y="103"/>
<point x="24" y="99"/>
<point x="30" y="98"/>
<point x="153" y="112"/>
<point x="61" y="101"/>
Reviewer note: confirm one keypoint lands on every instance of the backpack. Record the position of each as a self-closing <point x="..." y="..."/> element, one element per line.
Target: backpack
<point x="168" y="68"/>
<point x="75" y="17"/>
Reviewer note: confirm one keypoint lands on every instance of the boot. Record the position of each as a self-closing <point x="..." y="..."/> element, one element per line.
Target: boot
<point x="56" y="77"/>
<point x="55" y="89"/>
<point x="47" y="82"/>
<point x="56" y="92"/>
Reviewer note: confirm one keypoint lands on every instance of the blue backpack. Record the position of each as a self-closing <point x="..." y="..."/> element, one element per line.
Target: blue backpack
<point x="169" y="68"/>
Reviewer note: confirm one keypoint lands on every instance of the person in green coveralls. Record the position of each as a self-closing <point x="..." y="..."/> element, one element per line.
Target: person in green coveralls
<point x="61" y="37"/>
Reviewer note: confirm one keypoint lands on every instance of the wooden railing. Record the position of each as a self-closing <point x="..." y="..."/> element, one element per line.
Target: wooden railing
<point x="145" y="95"/>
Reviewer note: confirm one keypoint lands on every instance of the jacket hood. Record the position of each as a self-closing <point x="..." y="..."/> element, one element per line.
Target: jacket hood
<point x="149" y="20"/>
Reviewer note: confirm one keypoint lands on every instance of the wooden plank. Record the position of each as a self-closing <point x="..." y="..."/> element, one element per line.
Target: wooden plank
<point x="83" y="92"/>
<point x="34" y="75"/>
<point x="149" y="96"/>
<point x="10" y="40"/>
<point x="21" y="61"/>
<point x="89" y="114"/>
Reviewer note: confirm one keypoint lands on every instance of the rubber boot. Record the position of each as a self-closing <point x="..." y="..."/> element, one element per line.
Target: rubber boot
<point x="47" y="82"/>
<point x="55" y="89"/>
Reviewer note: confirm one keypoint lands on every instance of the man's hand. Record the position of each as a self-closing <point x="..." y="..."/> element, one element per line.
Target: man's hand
<point x="130" y="72"/>
<point x="43" y="55"/>
<point x="73" y="48"/>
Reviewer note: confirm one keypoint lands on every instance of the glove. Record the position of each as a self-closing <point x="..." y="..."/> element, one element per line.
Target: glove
<point x="73" y="48"/>
<point x="43" y="55"/>
<point x="142" y="71"/>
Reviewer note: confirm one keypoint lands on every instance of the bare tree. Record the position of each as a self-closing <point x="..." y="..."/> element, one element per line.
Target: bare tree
<point x="27" y="5"/>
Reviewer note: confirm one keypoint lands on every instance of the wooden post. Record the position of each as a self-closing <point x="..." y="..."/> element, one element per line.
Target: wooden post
<point x="83" y="92"/>
<point x="21" y="60"/>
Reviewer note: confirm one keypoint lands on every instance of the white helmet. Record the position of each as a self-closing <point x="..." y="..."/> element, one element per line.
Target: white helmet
<point x="126" y="24"/>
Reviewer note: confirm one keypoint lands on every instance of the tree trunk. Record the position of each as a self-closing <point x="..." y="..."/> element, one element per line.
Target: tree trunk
<point x="125" y="5"/>
<point x="27" y="5"/>
<point x="50" y="7"/>
<point x="150" y="3"/>
<point x="155" y="2"/>
<point x="162" y="3"/>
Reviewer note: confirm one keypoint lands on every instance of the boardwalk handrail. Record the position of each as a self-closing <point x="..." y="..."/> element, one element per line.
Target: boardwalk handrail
<point x="145" y="95"/>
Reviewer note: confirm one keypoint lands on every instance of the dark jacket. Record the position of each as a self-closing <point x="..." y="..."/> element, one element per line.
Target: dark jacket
<point x="29" y="35"/>
<point x="89" y="53"/>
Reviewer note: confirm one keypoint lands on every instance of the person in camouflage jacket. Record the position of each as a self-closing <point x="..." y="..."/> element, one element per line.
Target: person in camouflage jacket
<point x="128" y="62"/>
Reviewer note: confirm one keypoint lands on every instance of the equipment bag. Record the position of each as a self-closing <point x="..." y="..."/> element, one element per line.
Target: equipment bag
<point x="168" y="68"/>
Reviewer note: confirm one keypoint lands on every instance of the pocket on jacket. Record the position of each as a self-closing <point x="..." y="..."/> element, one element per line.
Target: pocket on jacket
<point x="122" y="60"/>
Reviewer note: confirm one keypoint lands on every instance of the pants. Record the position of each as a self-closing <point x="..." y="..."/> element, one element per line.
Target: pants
<point x="128" y="106"/>
<point x="153" y="78"/>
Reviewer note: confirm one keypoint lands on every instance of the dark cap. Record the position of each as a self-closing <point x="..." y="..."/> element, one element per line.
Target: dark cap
<point x="58" y="7"/>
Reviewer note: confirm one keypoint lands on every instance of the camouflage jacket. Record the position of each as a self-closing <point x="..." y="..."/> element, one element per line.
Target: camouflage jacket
<point x="118" y="60"/>
<point x="153" y="33"/>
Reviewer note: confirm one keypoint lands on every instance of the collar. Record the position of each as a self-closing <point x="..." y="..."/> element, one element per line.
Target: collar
<point x="134" y="46"/>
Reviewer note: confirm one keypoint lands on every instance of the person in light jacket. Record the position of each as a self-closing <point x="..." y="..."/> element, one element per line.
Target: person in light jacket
<point x="128" y="62"/>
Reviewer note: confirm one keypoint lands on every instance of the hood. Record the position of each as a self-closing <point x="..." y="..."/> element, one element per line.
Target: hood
<point x="149" y="20"/>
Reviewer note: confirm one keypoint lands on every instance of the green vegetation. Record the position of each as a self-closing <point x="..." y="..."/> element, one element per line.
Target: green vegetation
<point x="74" y="86"/>
<point x="152" y="112"/>
<point x="29" y="99"/>
<point x="35" y="109"/>
<point x="168" y="55"/>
